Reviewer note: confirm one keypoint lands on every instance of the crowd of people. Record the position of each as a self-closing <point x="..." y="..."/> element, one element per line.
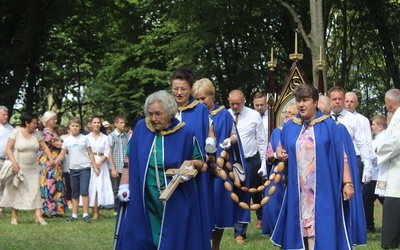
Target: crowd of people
<point x="52" y="169"/>
<point x="337" y="164"/>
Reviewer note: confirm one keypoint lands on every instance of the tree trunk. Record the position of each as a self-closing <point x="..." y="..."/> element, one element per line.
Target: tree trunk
<point x="315" y="39"/>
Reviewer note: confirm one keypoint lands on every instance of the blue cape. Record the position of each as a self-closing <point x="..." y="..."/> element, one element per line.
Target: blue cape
<point x="272" y="208"/>
<point x="182" y="225"/>
<point x="196" y="116"/>
<point x="227" y="212"/>
<point x="333" y="220"/>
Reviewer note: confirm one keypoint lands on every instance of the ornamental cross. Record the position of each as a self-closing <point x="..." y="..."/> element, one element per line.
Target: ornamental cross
<point x="176" y="175"/>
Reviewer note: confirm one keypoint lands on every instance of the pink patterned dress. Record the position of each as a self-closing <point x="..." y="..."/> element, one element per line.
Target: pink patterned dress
<point x="305" y="151"/>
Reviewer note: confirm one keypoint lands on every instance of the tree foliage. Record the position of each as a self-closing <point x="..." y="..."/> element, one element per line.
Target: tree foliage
<point x="81" y="58"/>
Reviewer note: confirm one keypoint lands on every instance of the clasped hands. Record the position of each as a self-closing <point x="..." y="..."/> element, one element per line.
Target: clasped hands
<point x="281" y="154"/>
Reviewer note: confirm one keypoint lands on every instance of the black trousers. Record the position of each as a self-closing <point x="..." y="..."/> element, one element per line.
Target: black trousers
<point x="369" y="198"/>
<point x="253" y="165"/>
<point x="391" y="223"/>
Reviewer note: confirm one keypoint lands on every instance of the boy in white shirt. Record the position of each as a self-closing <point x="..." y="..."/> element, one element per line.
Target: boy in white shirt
<point x="81" y="159"/>
<point x="378" y="128"/>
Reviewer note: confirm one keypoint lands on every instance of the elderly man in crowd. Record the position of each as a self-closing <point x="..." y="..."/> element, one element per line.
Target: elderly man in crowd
<point x="5" y="131"/>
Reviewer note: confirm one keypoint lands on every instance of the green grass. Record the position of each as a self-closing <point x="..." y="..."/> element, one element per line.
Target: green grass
<point x="99" y="234"/>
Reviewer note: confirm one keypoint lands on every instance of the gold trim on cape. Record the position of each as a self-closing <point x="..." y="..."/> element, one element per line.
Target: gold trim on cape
<point x="190" y="106"/>
<point x="299" y="121"/>
<point x="216" y="111"/>
<point x="164" y="132"/>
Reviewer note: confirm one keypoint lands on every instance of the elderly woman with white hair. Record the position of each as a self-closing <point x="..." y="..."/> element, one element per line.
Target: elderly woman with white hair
<point x="161" y="142"/>
<point x="54" y="202"/>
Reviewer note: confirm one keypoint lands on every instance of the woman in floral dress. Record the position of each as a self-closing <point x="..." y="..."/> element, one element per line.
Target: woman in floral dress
<point x="54" y="202"/>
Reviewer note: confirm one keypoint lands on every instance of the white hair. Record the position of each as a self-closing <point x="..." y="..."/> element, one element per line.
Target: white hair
<point x="47" y="116"/>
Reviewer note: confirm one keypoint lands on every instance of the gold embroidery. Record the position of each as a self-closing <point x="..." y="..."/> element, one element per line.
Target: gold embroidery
<point x="190" y="106"/>
<point x="215" y="112"/>
<point x="298" y="121"/>
<point x="164" y="132"/>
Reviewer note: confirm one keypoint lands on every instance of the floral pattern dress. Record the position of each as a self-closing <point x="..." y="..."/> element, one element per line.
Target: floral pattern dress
<point x="54" y="202"/>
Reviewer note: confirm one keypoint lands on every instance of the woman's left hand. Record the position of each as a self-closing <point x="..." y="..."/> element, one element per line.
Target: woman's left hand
<point x="348" y="192"/>
<point x="97" y="170"/>
<point x="50" y="164"/>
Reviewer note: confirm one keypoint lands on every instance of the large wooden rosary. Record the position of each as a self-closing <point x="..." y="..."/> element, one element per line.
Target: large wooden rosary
<point x="217" y="166"/>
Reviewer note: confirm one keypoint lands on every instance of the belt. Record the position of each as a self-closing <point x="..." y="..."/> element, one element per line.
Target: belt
<point x="251" y="157"/>
<point x="98" y="153"/>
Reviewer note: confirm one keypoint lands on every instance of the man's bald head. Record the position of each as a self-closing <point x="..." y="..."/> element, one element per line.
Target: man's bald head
<point x="236" y="100"/>
<point x="351" y="101"/>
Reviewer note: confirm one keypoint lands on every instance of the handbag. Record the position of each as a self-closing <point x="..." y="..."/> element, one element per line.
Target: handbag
<point x="18" y="178"/>
<point x="238" y="169"/>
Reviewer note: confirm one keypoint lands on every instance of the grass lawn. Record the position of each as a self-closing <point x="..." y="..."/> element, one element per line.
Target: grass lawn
<point x="99" y="234"/>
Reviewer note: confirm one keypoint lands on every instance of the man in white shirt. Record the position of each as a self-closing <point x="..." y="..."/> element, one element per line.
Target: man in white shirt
<point x="353" y="125"/>
<point x="5" y="131"/>
<point x="254" y="141"/>
<point x="389" y="153"/>
<point x="260" y="105"/>
<point x="351" y="104"/>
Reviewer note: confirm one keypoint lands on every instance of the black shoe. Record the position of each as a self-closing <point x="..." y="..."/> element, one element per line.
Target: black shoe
<point x="371" y="230"/>
<point x="86" y="219"/>
<point x="71" y="219"/>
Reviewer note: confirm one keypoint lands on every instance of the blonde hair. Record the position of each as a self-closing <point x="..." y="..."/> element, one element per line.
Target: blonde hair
<point x="204" y="86"/>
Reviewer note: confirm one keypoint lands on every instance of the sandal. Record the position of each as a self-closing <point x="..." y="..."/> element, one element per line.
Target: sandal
<point x="14" y="221"/>
<point x="40" y="221"/>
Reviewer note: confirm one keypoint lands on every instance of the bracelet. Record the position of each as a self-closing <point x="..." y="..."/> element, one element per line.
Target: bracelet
<point x="348" y="184"/>
<point x="276" y="157"/>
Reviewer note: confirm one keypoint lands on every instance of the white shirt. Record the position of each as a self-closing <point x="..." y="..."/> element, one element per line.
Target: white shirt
<point x="66" y="157"/>
<point x="77" y="150"/>
<point x="353" y="126"/>
<point x="365" y="126"/>
<point x="376" y="143"/>
<point x="264" y="119"/>
<point x="5" y="132"/>
<point x="251" y="131"/>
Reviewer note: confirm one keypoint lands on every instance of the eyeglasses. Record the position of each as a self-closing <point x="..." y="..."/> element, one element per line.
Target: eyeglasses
<point x="156" y="115"/>
<point x="176" y="89"/>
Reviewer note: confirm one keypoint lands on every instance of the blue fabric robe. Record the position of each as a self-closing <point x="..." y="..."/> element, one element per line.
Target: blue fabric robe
<point x="196" y="116"/>
<point x="272" y="208"/>
<point x="227" y="212"/>
<point x="182" y="226"/>
<point x="358" y="223"/>
<point x="333" y="219"/>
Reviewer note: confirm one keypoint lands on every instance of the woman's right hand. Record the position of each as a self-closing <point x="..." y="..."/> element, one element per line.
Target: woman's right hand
<point x="15" y="169"/>
<point x="114" y="173"/>
<point x="281" y="154"/>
